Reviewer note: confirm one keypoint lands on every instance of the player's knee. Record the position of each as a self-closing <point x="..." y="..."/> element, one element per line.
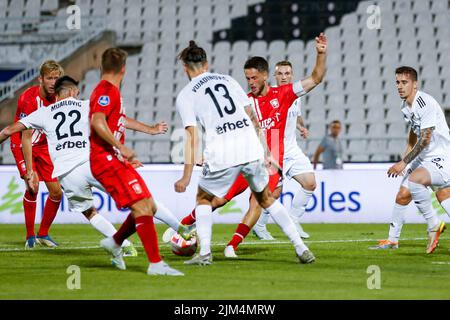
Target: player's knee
<point x="403" y="198"/>
<point x="310" y="185"/>
<point x="55" y="194"/>
<point x="443" y="194"/>
<point x="218" y="202"/>
<point x="90" y="213"/>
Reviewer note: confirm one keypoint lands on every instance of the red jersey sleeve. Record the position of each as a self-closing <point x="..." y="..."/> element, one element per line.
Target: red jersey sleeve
<point x="103" y="101"/>
<point x="288" y="94"/>
<point x="25" y="106"/>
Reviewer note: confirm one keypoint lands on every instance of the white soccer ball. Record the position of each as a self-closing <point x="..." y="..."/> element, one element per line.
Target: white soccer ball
<point x="183" y="247"/>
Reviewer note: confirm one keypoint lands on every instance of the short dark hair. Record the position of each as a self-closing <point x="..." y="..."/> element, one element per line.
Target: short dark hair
<point x="113" y="60"/>
<point x="258" y="63"/>
<point x="335" y="122"/>
<point x="407" y="70"/>
<point x="193" y="55"/>
<point x="64" y="83"/>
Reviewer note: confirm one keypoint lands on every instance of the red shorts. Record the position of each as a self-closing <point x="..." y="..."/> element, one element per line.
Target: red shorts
<point x="122" y="182"/>
<point x="240" y="185"/>
<point x="42" y="163"/>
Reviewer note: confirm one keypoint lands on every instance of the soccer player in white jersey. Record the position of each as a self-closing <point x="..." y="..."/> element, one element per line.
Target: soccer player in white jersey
<point x="231" y="147"/>
<point x="66" y="124"/>
<point x="429" y="159"/>
<point x="297" y="166"/>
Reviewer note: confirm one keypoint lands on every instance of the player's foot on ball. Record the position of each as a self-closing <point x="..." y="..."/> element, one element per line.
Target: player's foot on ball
<point x="200" y="260"/>
<point x="385" y="244"/>
<point x="46" y="241"/>
<point x="433" y="237"/>
<point x="306" y="257"/>
<point x="168" y="234"/>
<point x="262" y="233"/>
<point x="162" y="269"/>
<point x="30" y="243"/>
<point x="117" y="254"/>
<point x="129" y="250"/>
<point x="229" y="252"/>
<point x="186" y="232"/>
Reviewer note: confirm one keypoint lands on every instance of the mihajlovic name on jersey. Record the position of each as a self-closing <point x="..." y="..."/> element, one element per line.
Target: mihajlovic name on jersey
<point x="204" y="80"/>
<point x="66" y="102"/>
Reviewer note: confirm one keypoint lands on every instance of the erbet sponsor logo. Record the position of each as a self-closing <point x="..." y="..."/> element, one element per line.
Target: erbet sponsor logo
<point x="231" y="126"/>
<point x="324" y="199"/>
<point x="71" y="145"/>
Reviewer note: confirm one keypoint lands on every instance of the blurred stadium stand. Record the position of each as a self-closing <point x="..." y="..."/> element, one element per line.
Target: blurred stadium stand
<point x="359" y="88"/>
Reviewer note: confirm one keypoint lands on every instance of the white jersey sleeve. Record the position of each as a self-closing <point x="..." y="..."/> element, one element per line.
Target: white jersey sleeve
<point x="427" y="112"/>
<point x="298" y="88"/>
<point x="185" y="107"/>
<point x="35" y="120"/>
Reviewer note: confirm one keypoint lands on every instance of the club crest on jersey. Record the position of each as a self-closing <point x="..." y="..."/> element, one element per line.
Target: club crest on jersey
<point x="137" y="188"/>
<point x="275" y="104"/>
<point x="103" y="101"/>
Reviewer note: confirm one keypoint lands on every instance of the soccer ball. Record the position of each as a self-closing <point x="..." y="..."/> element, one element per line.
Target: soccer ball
<point x="183" y="247"/>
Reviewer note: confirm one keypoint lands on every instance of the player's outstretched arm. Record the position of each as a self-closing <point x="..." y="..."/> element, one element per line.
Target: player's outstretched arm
<point x="189" y="160"/>
<point x="158" y="128"/>
<point x="320" y="68"/>
<point x="10" y="130"/>
<point x="100" y="126"/>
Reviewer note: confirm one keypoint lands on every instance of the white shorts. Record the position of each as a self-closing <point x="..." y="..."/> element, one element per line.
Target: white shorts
<point x="218" y="183"/>
<point x="77" y="185"/>
<point x="298" y="165"/>
<point x="438" y="168"/>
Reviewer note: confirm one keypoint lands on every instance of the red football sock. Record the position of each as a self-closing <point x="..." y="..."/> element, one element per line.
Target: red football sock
<point x="147" y="233"/>
<point x="50" y="211"/>
<point x="189" y="219"/>
<point x="29" y="208"/>
<point x="127" y="228"/>
<point x="241" y="232"/>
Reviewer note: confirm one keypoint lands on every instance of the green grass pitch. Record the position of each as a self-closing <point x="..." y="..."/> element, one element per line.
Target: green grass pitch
<point x="264" y="270"/>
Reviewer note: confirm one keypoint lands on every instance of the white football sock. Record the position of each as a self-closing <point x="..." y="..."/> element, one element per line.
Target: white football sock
<point x="165" y="215"/>
<point x="422" y="198"/>
<point x="446" y="205"/>
<point x="397" y="221"/>
<point x="204" y="227"/>
<point x="105" y="227"/>
<point x="281" y="217"/>
<point x="300" y="202"/>
<point x="263" y="219"/>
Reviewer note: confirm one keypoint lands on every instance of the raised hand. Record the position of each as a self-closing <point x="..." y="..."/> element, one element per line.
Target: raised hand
<point x="321" y="43"/>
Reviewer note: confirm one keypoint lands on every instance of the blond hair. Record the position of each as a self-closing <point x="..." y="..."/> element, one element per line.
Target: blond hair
<point x="51" y="66"/>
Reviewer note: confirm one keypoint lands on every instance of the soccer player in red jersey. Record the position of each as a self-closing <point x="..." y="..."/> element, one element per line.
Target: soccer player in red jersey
<point x="271" y="105"/>
<point x="113" y="165"/>
<point x="30" y="151"/>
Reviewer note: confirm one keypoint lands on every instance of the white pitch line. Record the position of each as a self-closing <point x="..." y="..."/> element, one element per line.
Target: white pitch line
<point x="220" y="244"/>
<point x="441" y="262"/>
